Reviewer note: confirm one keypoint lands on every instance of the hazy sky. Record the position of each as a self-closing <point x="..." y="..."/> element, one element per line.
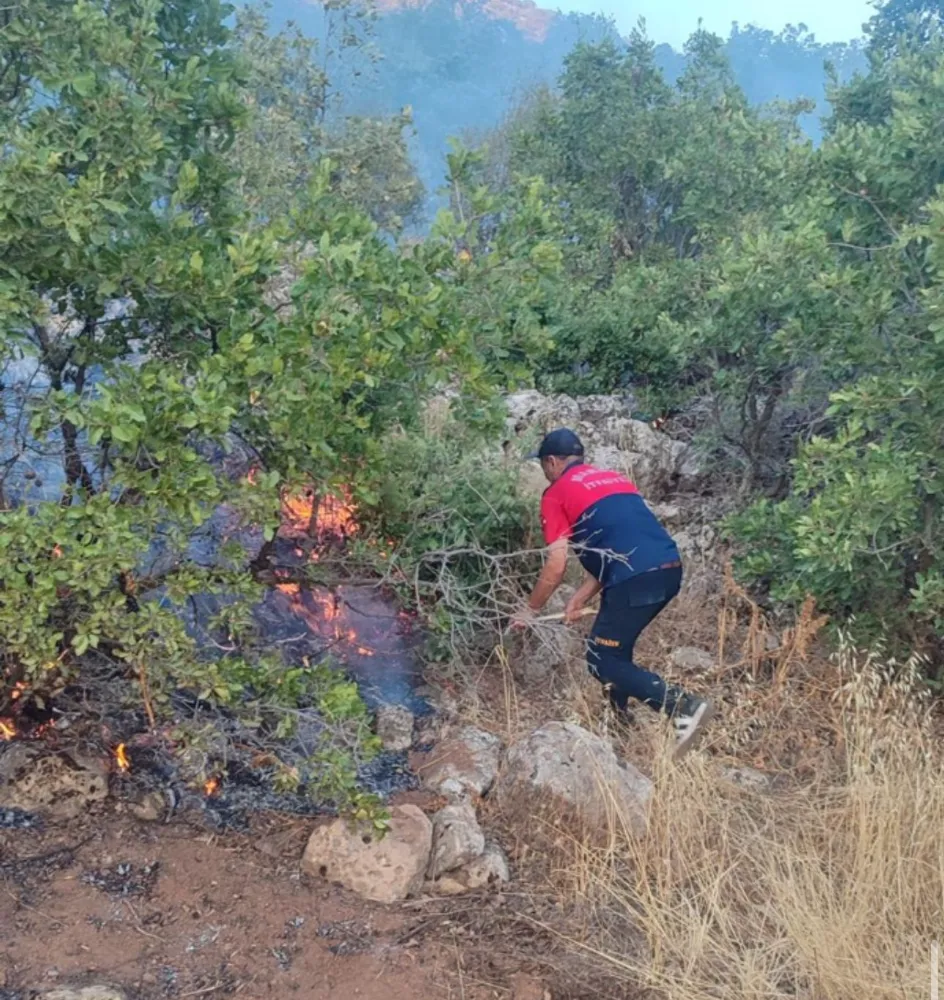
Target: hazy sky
<point x="674" y="20"/>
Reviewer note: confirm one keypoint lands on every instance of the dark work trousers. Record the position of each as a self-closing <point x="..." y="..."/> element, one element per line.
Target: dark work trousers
<point x="625" y="610"/>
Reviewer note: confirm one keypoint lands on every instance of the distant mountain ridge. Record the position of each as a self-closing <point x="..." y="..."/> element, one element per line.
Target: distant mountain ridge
<point x="532" y="21"/>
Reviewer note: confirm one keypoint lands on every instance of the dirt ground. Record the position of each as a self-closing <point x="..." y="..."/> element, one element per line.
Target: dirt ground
<point x="170" y="911"/>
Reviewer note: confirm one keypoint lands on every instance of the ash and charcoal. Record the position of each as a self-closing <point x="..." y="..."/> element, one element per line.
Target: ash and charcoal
<point x="351" y="937"/>
<point x="387" y="774"/>
<point x="19" y="819"/>
<point x="124" y="879"/>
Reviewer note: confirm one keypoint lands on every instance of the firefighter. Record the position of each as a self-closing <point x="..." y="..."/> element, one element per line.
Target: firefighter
<point x="629" y="558"/>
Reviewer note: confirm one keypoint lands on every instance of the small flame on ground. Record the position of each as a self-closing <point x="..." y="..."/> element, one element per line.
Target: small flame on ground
<point x="121" y="758"/>
<point x="336" y="515"/>
<point x="211" y="786"/>
<point x="7" y="729"/>
<point x="57" y="551"/>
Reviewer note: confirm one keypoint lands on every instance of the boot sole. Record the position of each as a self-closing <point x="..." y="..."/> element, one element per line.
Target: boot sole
<point x="702" y="717"/>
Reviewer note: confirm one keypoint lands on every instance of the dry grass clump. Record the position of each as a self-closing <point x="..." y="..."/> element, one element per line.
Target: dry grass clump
<point x="833" y="890"/>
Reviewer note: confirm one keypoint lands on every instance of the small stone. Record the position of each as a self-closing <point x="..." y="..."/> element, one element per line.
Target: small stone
<point x="457" y="839"/>
<point x="489" y="869"/>
<point x="150" y="809"/>
<point x="395" y="727"/>
<point x="691" y="660"/>
<point x="748" y="777"/>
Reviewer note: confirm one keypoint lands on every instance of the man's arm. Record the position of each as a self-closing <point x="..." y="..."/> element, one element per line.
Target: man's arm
<point x="552" y="575"/>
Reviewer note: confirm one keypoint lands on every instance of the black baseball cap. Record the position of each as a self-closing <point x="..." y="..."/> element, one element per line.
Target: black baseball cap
<point x="562" y="443"/>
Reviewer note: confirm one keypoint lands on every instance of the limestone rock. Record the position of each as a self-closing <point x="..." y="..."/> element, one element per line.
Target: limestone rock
<point x="86" y="993"/>
<point x="489" y="869"/>
<point x="395" y="727"/>
<point x="562" y="766"/>
<point x="385" y="870"/>
<point x="457" y="839"/>
<point x="657" y="462"/>
<point x="150" y="808"/>
<point x="691" y="660"/>
<point x="467" y="762"/>
<point x="56" y="785"/>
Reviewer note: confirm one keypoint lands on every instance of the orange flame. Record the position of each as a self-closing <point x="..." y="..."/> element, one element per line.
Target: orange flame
<point x="57" y="551"/>
<point x="335" y="515"/>
<point x="211" y="786"/>
<point x="121" y="758"/>
<point x="7" y="729"/>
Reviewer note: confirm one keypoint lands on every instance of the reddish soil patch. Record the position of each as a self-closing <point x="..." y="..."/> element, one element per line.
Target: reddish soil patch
<point x="197" y="914"/>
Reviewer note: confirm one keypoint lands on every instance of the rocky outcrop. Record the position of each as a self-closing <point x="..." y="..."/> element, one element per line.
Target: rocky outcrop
<point x="385" y="870"/>
<point x="464" y="764"/>
<point x="657" y="463"/>
<point x="562" y="768"/>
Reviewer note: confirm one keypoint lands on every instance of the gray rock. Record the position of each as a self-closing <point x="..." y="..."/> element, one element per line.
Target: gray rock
<point x="489" y="869"/>
<point x="457" y="839"/>
<point x="150" y="808"/>
<point x="385" y="870"/>
<point x="467" y="761"/>
<point x="691" y="660"/>
<point x="562" y="766"/>
<point x="395" y="727"/>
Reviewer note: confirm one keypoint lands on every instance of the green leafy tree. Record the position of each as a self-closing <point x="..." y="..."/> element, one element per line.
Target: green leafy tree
<point x="293" y="122"/>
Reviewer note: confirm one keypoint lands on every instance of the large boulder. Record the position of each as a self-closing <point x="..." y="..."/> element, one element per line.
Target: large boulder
<point x="464" y="764"/>
<point x="562" y="768"/>
<point x="385" y="870"/>
<point x="457" y="839"/>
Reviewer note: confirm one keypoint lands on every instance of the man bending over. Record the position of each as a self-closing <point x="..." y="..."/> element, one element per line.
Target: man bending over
<point x="630" y="557"/>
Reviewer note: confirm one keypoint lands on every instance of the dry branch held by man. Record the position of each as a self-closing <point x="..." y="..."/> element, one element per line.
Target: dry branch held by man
<point x="629" y="559"/>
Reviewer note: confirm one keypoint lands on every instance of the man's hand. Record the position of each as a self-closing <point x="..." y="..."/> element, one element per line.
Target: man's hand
<point x="523" y="618"/>
<point x="574" y="606"/>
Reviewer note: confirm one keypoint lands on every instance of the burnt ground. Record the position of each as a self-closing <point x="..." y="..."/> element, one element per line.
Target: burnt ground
<point x="174" y="911"/>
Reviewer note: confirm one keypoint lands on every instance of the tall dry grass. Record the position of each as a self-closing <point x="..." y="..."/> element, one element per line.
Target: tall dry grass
<point x="832" y="889"/>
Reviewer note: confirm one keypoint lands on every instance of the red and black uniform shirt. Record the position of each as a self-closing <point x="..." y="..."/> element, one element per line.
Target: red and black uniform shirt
<point x="603" y="515"/>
